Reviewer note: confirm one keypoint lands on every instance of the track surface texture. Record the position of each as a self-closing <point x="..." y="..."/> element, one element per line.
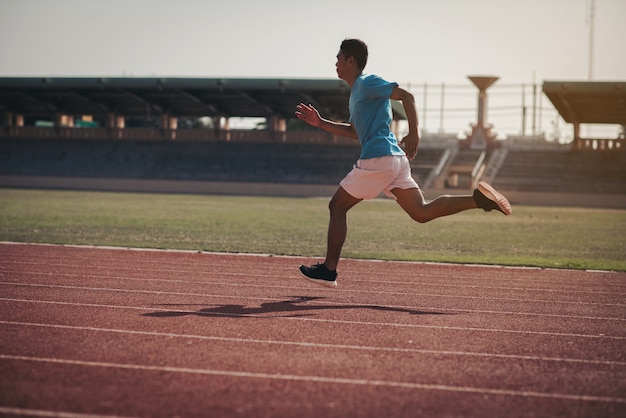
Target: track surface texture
<point x="139" y="333"/>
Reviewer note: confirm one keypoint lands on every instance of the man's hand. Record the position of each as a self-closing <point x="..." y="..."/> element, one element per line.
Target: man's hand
<point x="309" y="114"/>
<point x="411" y="142"/>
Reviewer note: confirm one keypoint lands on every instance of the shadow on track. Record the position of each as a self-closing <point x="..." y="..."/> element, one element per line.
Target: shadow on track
<point x="296" y="306"/>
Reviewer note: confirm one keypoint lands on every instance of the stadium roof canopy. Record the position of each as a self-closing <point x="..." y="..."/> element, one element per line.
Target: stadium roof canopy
<point x="141" y="97"/>
<point x="594" y="102"/>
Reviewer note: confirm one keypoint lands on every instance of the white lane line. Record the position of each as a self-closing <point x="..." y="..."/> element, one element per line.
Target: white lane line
<point x="53" y="414"/>
<point x="377" y="292"/>
<point x="559" y="287"/>
<point x="331" y="321"/>
<point x="248" y="256"/>
<point x="160" y="292"/>
<point x="319" y="345"/>
<point x="321" y="379"/>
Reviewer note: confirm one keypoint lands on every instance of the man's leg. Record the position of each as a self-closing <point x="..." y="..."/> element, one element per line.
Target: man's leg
<point x="325" y="274"/>
<point x="339" y="206"/>
<point x="412" y="201"/>
<point x="484" y="197"/>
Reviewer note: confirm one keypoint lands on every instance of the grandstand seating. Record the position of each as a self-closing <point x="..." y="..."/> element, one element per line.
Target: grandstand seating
<point x="563" y="171"/>
<point x="554" y="170"/>
<point x="426" y="161"/>
<point x="188" y="160"/>
<point x="178" y="160"/>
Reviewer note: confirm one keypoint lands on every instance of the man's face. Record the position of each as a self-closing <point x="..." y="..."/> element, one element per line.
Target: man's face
<point x="341" y="65"/>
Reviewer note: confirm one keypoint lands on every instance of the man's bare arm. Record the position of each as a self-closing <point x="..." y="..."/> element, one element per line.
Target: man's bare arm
<point x="310" y="115"/>
<point x="411" y="141"/>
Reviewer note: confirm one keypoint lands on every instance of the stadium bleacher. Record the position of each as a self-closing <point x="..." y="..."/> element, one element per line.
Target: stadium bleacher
<point x="180" y="160"/>
<point x="567" y="170"/>
<point x="556" y="170"/>
<point x="425" y="162"/>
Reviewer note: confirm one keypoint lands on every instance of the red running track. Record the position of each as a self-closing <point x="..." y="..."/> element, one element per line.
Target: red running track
<point x="115" y="332"/>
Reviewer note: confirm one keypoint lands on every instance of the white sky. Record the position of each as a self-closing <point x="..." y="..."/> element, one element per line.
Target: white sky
<point x="410" y="41"/>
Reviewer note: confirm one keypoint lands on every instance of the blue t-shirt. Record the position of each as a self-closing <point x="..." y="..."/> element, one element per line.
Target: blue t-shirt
<point x="370" y="114"/>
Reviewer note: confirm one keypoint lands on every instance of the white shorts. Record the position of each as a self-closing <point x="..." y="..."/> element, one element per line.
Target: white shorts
<point x="369" y="178"/>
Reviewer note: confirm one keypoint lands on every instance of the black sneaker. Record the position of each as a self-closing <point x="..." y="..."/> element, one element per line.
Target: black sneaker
<point x="318" y="273"/>
<point x="488" y="198"/>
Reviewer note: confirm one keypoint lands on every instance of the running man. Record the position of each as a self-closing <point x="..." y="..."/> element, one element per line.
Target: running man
<point x="383" y="166"/>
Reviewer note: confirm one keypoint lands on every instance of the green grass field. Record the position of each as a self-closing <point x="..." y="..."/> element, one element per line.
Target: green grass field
<point x="379" y="229"/>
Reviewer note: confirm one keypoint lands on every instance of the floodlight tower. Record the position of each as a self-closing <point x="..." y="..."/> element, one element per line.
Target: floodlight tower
<point x="481" y="136"/>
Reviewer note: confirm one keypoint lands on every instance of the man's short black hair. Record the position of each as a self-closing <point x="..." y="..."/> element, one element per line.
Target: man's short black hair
<point x="357" y="49"/>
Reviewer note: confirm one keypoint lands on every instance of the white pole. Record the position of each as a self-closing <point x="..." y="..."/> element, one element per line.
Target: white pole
<point x="592" y="14"/>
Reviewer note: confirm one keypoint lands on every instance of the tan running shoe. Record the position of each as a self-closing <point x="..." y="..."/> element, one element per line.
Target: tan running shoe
<point x="488" y="199"/>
